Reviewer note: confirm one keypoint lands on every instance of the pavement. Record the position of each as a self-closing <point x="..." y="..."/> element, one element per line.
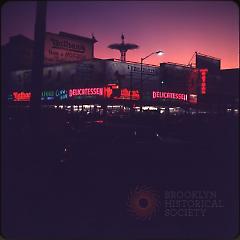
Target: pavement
<point x="75" y="181"/>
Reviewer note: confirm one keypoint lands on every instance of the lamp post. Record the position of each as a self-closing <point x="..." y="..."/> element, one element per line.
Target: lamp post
<point x="141" y="80"/>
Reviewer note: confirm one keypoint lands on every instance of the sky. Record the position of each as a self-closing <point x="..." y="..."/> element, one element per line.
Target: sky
<point x="179" y="28"/>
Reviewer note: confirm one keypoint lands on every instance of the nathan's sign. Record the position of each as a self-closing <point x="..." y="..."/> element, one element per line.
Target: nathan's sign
<point x="169" y="95"/>
<point x="46" y="95"/>
<point x="59" y="48"/>
<point x="66" y="44"/>
<point x="21" y="96"/>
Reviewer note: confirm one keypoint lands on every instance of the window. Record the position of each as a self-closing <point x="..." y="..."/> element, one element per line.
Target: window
<point x="58" y="76"/>
<point x="19" y="78"/>
<point x="49" y="73"/>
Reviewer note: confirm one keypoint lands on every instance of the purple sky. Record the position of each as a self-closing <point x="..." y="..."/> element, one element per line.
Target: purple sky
<point x="178" y="28"/>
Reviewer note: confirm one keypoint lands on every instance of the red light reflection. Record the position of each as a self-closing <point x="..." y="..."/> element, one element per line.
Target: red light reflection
<point x="21" y="96"/>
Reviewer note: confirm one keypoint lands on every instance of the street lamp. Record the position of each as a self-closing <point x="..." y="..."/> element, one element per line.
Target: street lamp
<point x="160" y="53"/>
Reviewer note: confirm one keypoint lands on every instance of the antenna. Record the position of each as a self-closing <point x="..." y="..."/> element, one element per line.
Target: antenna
<point x="191" y="60"/>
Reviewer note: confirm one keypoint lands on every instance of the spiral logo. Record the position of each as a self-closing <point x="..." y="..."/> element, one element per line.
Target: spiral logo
<point x="143" y="203"/>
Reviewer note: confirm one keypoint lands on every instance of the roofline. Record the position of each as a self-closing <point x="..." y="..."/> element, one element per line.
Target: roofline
<point x="230" y="69"/>
<point x="177" y="64"/>
<point x="204" y="55"/>
<point x="76" y="37"/>
<point x="129" y="62"/>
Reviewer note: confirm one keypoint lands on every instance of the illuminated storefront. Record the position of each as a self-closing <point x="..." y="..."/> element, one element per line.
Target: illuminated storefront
<point x="79" y="79"/>
<point x="103" y="94"/>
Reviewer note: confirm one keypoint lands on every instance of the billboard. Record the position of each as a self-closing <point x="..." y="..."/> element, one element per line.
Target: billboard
<point x="61" y="48"/>
<point x="175" y="77"/>
<point x="193" y="81"/>
<point x="207" y="62"/>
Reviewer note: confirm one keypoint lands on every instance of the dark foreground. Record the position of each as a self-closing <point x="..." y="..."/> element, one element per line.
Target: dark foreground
<point x="73" y="176"/>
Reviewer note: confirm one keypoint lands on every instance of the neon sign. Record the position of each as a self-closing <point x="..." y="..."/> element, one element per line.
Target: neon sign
<point x="192" y="98"/>
<point x="85" y="92"/>
<point x="203" y="78"/>
<point x="61" y="94"/>
<point x="47" y="95"/>
<point x="169" y="95"/>
<point x="113" y="85"/>
<point x="107" y="92"/>
<point x="21" y="96"/>
<point x="126" y="94"/>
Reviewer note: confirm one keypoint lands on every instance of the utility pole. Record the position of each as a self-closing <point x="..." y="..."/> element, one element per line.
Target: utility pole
<point x="131" y="90"/>
<point x="141" y="78"/>
<point x="141" y="84"/>
<point x="38" y="60"/>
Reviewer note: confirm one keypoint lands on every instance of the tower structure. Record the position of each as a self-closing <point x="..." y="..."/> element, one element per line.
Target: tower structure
<point x="123" y="48"/>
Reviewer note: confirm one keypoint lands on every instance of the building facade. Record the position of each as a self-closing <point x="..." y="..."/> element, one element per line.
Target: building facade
<point x="72" y="74"/>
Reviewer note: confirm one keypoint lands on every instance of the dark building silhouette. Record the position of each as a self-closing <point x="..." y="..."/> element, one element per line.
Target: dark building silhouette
<point x="59" y="48"/>
<point x="18" y="52"/>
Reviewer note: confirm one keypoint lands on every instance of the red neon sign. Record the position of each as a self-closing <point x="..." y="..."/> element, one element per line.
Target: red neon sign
<point x="107" y="92"/>
<point x="113" y="85"/>
<point x="21" y="96"/>
<point x="168" y="95"/>
<point x="85" y="92"/>
<point x="126" y="94"/>
<point x="192" y="98"/>
<point x="203" y="78"/>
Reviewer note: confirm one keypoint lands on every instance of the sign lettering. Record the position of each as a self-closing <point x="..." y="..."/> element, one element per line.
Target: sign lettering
<point x="169" y="95"/>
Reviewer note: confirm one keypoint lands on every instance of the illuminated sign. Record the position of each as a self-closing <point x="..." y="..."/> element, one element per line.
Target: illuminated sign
<point x="126" y="94"/>
<point x="47" y="95"/>
<point x="169" y="95"/>
<point x="107" y="92"/>
<point x="21" y="96"/>
<point x="113" y="85"/>
<point x="110" y="90"/>
<point x="203" y="82"/>
<point x="85" y="92"/>
<point x="61" y="94"/>
<point x="192" y="98"/>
